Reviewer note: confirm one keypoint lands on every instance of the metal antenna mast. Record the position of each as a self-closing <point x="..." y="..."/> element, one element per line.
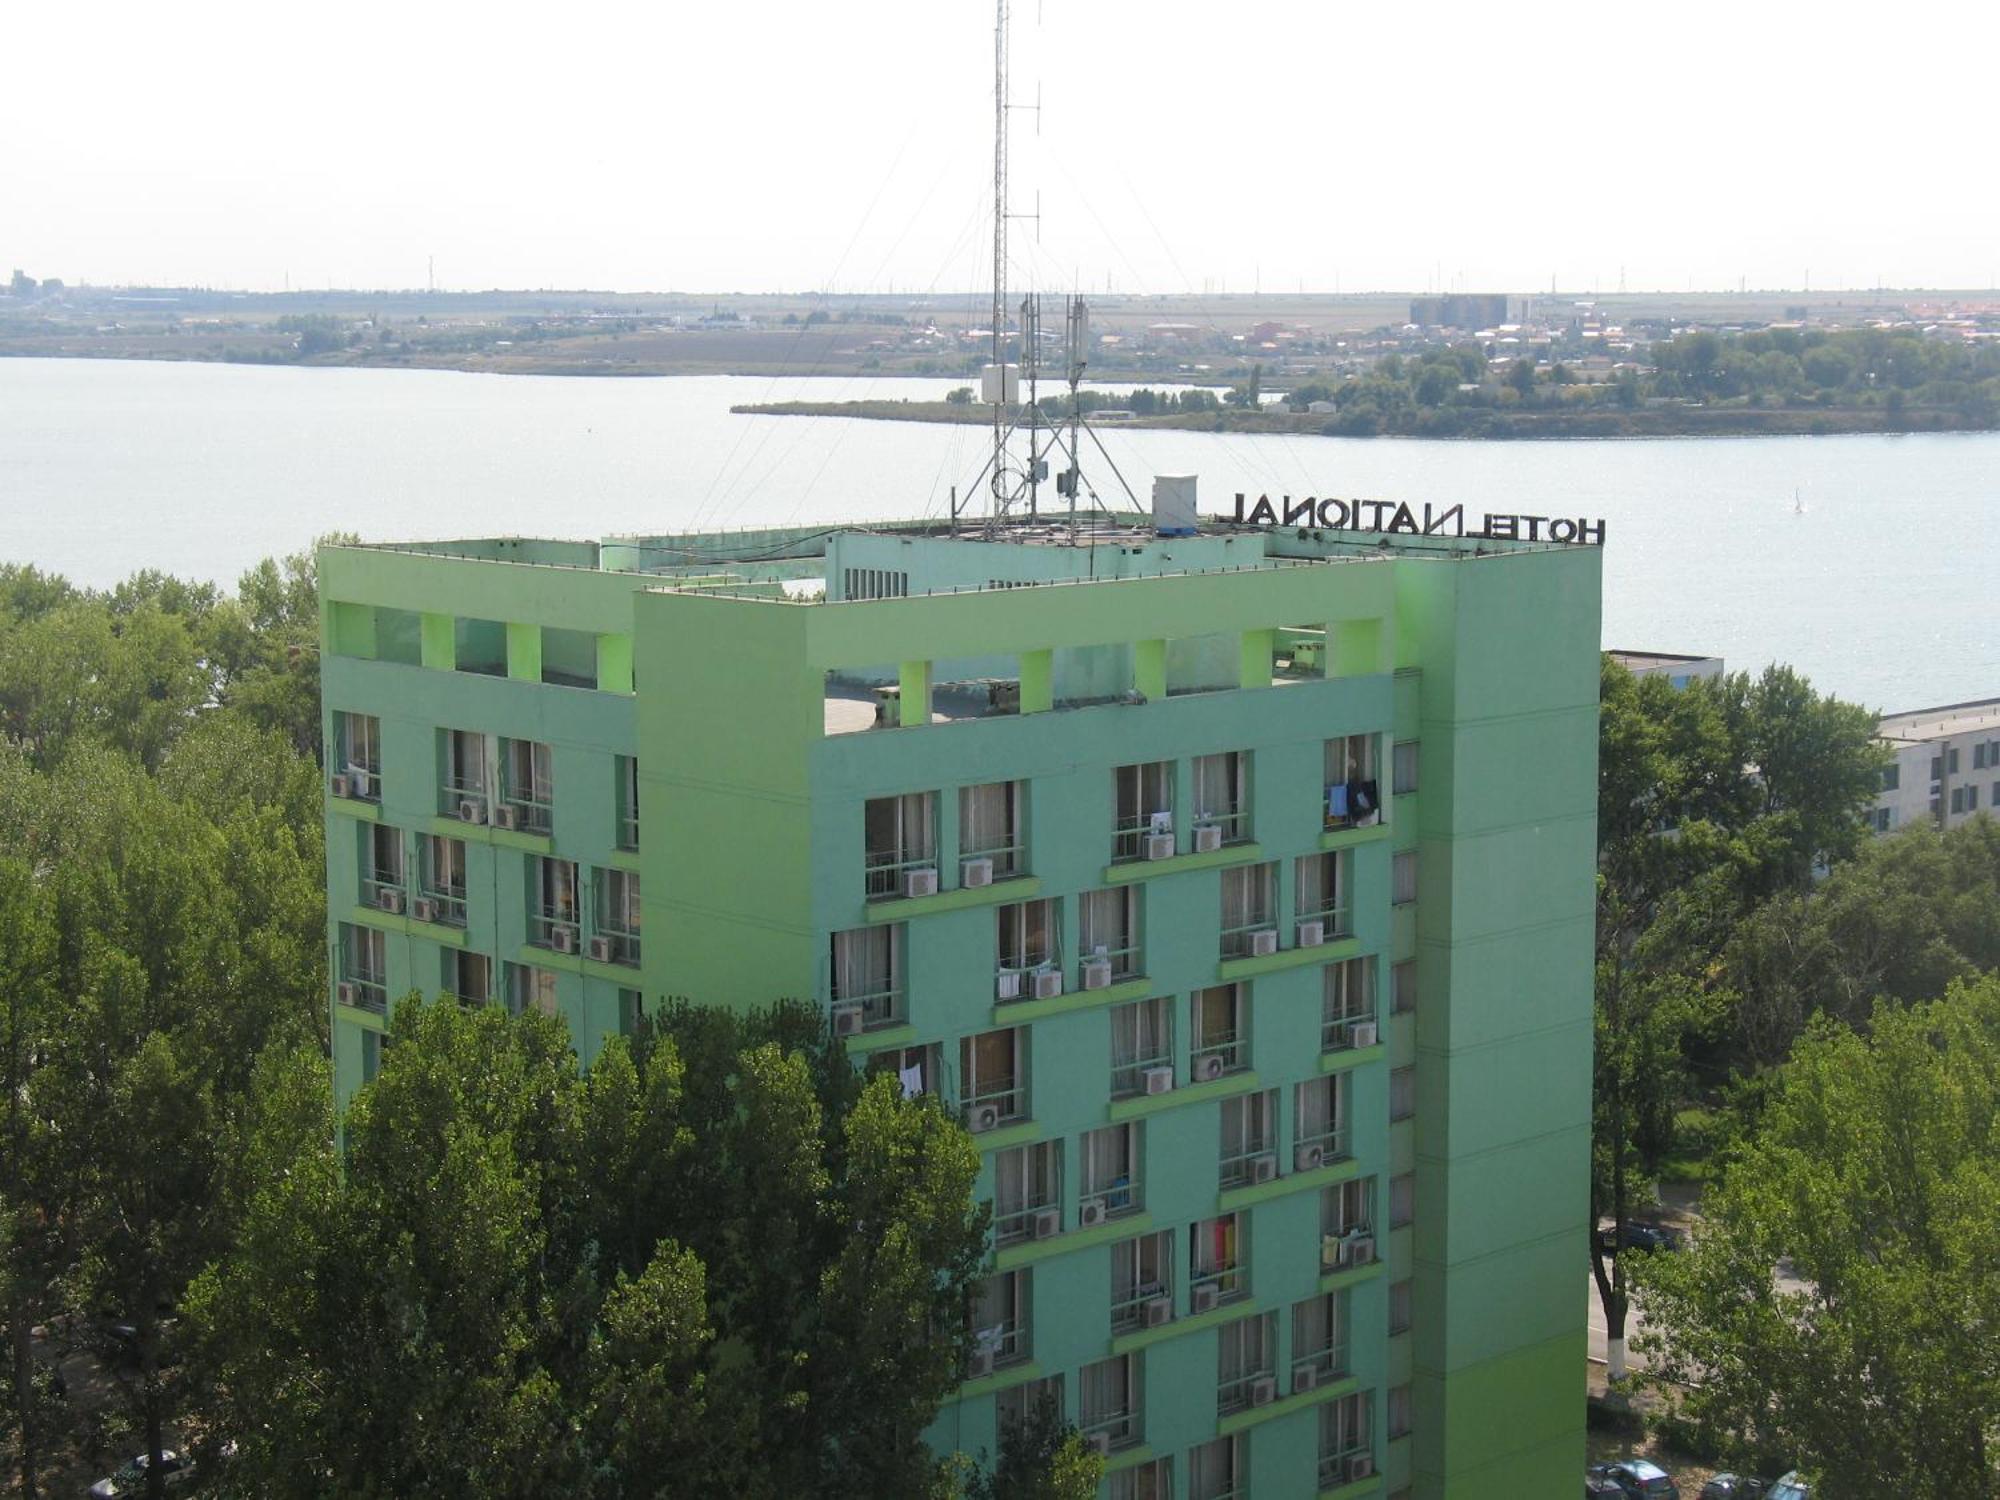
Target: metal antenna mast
<point x="999" y="396"/>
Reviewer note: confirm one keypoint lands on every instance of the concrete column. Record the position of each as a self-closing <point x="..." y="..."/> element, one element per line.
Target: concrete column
<point x="1357" y="649"/>
<point x="440" y="642"/>
<point x="1038" y="684"/>
<point x="352" y="629"/>
<point x="524" y="652"/>
<point x="1254" y="658"/>
<point x="914" y="702"/>
<point x="614" y="664"/>
<point x="1149" y="669"/>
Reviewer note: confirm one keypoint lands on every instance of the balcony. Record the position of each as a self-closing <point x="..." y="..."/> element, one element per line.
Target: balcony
<point x="1257" y="1163"/>
<point x="1128" y="1079"/>
<point x="445" y="908"/>
<point x="383" y="891"/>
<point x="519" y="811"/>
<point x="1112" y="1431"/>
<point x="357" y="783"/>
<point x="1349" y="1466"/>
<point x="999" y="1345"/>
<point x="1103" y="966"/>
<point x="1210" y="1289"/>
<point x="1245" y="1390"/>
<point x="887" y="875"/>
<point x="463" y="798"/>
<point x="1344" y="1031"/>
<point x="1310" y="1152"/>
<point x="611" y="945"/>
<point x="1148" y="1305"/>
<point x="1317" y="1367"/>
<point x="1219" y="1056"/>
<point x="1031" y="1221"/>
<point x="991" y="1108"/>
<point x="364" y="990"/>
<point x="557" y="931"/>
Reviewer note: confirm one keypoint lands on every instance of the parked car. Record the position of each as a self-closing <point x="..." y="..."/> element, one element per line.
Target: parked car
<point x="1642" y="1237"/>
<point x="131" y="1480"/>
<point x="1639" y="1479"/>
<point x="1791" y="1487"/>
<point x="1735" y="1487"/>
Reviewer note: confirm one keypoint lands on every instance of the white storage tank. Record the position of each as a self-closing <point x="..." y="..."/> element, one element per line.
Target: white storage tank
<point x="1173" y="505"/>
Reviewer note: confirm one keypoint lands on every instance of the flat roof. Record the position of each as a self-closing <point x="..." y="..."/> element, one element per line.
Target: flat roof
<point x="1920" y="724"/>
<point x="1629" y="657"/>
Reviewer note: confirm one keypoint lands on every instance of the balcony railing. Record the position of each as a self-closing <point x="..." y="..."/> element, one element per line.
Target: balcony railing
<point x="1338" y="1034"/>
<point x="1009" y="860"/>
<point x="1230" y="1282"/>
<point x="364" y="783"/>
<point x="367" y="991"/>
<point x="1119" y="1429"/>
<point x="447" y="907"/>
<point x="1129" y="1078"/>
<point x="1334" y="921"/>
<point x="1121" y="963"/>
<point x="454" y="791"/>
<point x="628" y="831"/>
<point x="1352" y="804"/>
<point x="1237" y="942"/>
<point x="1007" y="1103"/>
<point x="1234" y="823"/>
<point x="886" y="869"/>
<point x="1328" y="1364"/>
<point x="547" y="929"/>
<point x="879" y="1007"/>
<point x="530" y="815"/>
<point x="1234" y="1051"/>
<point x="1331" y="1144"/>
<point x="623" y="946"/>
<point x="1234" y="1395"/>
<point x="1019" y="1224"/>
<point x="374" y="887"/>
<point x="1239" y="1169"/>
<point x="1121" y="1195"/>
<point x="1335" y="1469"/>
<point x="1128" y="838"/>
<point x="1128" y="1309"/>
<point x="1006" y="1341"/>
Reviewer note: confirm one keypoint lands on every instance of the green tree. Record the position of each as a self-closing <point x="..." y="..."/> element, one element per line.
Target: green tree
<point x="1042" y="1457"/>
<point x="1521" y="376"/>
<point x="28" y="1259"/>
<point x="1874" y="1177"/>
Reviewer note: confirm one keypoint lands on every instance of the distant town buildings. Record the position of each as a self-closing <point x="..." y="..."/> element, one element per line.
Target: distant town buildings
<point x="1460" y="310"/>
<point x="1947" y="765"/>
<point x="1680" y="669"/>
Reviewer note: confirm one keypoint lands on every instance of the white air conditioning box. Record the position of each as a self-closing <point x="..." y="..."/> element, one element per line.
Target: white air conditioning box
<point x="1263" y="1168"/>
<point x="1207" y="1068"/>
<point x="1204" y="1298"/>
<point x="1160" y="1080"/>
<point x="1100" y="1442"/>
<point x="980" y="1118"/>
<point x="1304" y="1377"/>
<point x="1311" y="934"/>
<point x="980" y="1364"/>
<point x="1207" y="838"/>
<point x="1263" y="1391"/>
<point x="424" y="909"/>
<point x="1048" y="1223"/>
<point x="847" y="1020"/>
<point x="1159" y="846"/>
<point x="1097" y="974"/>
<point x="1359" y="1249"/>
<point x="1363" y="1034"/>
<point x="340" y="786"/>
<point x="1311" y="1157"/>
<point x="920" y="882"/>
<point x="390" y="899"/>
<point x="1048" y="983"/>
<point x="1007" y="984"/>
<point x="600" y="949"/>
<point x="1263" y="943"/>
<point x="471" y="810"/>
<point x="1089" y="1213"/>
<point x="506" y="816"/>
<point x="563" y="939"/>
<point x="975" y="873"/>
<point x="1360" y="1466"/>
<point x="346" y="993"/>
<point x="1159" y="1312"/>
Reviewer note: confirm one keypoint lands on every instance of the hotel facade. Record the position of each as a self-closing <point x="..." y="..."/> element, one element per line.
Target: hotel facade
<point x="1234" y="888"/>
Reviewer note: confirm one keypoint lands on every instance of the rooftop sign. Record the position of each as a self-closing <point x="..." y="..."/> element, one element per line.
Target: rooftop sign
<point x="1396" y="518"/>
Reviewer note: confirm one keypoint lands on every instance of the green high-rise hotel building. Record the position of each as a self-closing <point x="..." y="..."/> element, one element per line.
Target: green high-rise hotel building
<point x="1234" y="887"/>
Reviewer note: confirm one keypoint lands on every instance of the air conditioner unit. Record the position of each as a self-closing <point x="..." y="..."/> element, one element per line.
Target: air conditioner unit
<point x="1100" y="1442"/>
<point x="1090" y="1212"/>
<point x="1204" y="1298"/>
<point x="1207" y="838"/>
<point x="505" y="815"/>
<point x="920" y="882"/>
<point x="471" y="810"/>
<point x="1159" y="1312"/>
<point x="1263" y="942"/>
<point x="1311" y="1156"/>
<point x="347" y="993"/>
<point x="424" y="909"/>
<point x="341" y="786"/>
<point x="563" y="939"/>
<point x="1304" y="1377"/>
<point x="1263" y="1390"/>
<point x="1263" y="1168"/>
<point x="390" y="899"/>
<point x="1358" y="1249"/>
<point x="1160" y="1080"/>
<point x="1311" y="934"/>
<point x="1360" y="1466"/>
<point x="1363" y="1034"/>
<point x="1048" y="1223"/>
<point x="980" y="1364"/>
<point x="1208" y="1067"/>
<point x="600" y="948"/>
<point x="1097" y="974"/>
<point x="1159" y="846"/>
<point x="1048" y="983"/>
<point x="981" y="1117"/>
<point x="1007" y="984"/>
<point x="847" y="1020"/>
<point x="975" y="873"/>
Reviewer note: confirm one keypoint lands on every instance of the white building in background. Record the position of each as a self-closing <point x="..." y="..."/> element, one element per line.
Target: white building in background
<point x="1947" y="765"/>
<point x="1680" y="670"/>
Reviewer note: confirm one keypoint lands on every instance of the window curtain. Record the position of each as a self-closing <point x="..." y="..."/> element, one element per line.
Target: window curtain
<point x="1315" y="1110"/>
<point x="863" y="962"/>
<point x="1105" y="918"/>
<point x="1215" y="785"/>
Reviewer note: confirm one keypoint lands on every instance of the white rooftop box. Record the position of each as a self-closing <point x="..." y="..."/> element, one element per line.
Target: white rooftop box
<point x="1173" y="504"/>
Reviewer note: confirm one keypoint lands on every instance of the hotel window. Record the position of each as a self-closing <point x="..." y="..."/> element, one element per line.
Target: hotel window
<point x="464" y="777"/>
<point x="1002" y="1318"/>
<point x="527" y="786"/>
<point x="1319" y="1338"/>
<point x="357" y="752"/>
<point x="530" y="988"/>
<point x="1221" y="1016"/>
<point x="1246" y="1355"/>
<point x="1249" y="905"/>
<point x="1219" y="1470"/>
<point x="1353" y="797"/>
<point x="1403" y="877"/>
<point x="1222" y="795"/>
<point x="1218" y="1261"/>
<point x="899" y="842"/>
<point x="1345" y="1440"/>
<point x="626" y="790"/>
<point x="1347" y="1208"/>
<point x="1322" y="894"/>
<point x="990" y="826"/>
<point x="1143" y="798"/>
<point x="1017" y="1404"/>
<point x="382" y="866"/>
<point x="1319" y="1119"/>
<point x="440" y="880"/>
<point x="1402" y="1200"/>
<point x="1249" y="1139"/>
<point x="1112" y="1165"/>
<point x="1113" y="1400"/>
<point x="1892" y="777"/>
<point x="1347" y="1005"/>
<point x="1399" y="1412"/>
<point x="364" y="968"/>
<point x="553" y="912"/>
<point x="373" y="1045"/>
<point x="617" y="917"/>
<point x="918" y="1070"/>
<point x="1402" y="1295"/>
<point x="1142" y="1272"/>
<point x="1403" y="987"/>
<point x="867" y="973"/>
<point x="1148" y="1481"/>
<point x="1404" y="774"/>
<point x="1402" y="1093"/>
<point x="1029" y="937"/>
<point x="1142" y="1038"/>
<point x="468" y="976"/>
<point x="1026" y="1181"/>
<point x="1883" y="817"/>
<point x="1108" y="934"/>
<point x="993" y="1074"/>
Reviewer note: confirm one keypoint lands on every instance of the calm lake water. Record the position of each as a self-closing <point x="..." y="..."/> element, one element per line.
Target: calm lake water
<point x="1886" y="590"/>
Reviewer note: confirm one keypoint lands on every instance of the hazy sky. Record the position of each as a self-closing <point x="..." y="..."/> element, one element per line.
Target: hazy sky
<point x="780" y="144"/>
